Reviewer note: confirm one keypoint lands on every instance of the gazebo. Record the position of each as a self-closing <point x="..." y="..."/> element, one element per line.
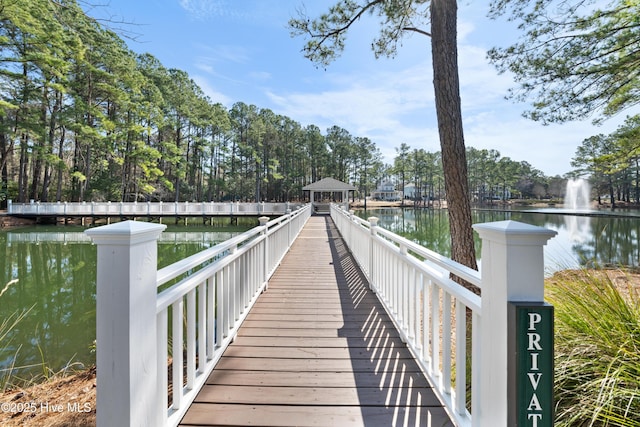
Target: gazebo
<point x="327" y="191"/>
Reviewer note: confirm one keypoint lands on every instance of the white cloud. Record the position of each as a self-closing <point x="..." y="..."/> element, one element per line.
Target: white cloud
<point x="260" y="76"/>
<point x="362" y="102"/>
<point x="224" y="53"/>
<point x="203" y="9"/>
<point x="211" y="92"/>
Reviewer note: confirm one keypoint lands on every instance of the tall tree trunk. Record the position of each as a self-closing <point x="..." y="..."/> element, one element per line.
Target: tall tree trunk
<point x="48" y="167"/>
<point x="447" y="93"/>
<point x="23" y="176"/>
<point x="61" y="166"/>
<point x="4" y="170"/>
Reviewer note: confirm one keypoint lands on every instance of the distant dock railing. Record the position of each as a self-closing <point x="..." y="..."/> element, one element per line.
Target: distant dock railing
<point x="152" y="209"/>
<point x="80" y="237"/>
<point x="191" y="322"/>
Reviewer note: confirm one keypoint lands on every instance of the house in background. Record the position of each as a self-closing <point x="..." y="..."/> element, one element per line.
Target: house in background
<point x="410" y="191"/>
<point x="387" y="192"/>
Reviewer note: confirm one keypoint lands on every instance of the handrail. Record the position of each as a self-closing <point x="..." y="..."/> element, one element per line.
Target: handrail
<point x="193" y="320"/>
<point x="36" y="208"/>
<point x="414" y="285"/>
<point x="239" y="272"/>
<point x="435" y="314"/>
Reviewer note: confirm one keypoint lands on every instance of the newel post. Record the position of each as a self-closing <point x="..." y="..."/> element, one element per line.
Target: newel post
<point x="512" y="271"/>
<point x="126" y="333"/>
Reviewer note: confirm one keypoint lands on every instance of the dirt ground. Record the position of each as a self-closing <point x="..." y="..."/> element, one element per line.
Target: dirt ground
<point x="61" y="402"/>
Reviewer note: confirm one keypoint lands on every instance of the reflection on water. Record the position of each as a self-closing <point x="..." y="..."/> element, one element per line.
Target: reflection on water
<point x="52" y="271"/>
<point x="578" y="228"/>
<point x="581" y="240"/>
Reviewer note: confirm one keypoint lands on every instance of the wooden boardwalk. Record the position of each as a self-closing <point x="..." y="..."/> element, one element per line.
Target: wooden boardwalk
<point x="317" y="349"/>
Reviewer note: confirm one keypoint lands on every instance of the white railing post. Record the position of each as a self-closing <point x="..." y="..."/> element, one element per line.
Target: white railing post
<point x="126" y="329"/>
<point x="512" y="269"/>
<point x="373" y="224"/>
<point x="9" y="206"/>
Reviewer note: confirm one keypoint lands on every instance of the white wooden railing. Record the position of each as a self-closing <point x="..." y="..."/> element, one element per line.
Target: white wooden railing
<point x="192" y="321"/>
<point x="430" y="309"/>
<point x="133" y="209"/>
<point x="168" y="237"/>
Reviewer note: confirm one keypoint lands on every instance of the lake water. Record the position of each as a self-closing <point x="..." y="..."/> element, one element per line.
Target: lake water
<point x="581" y="240"/>
<point x="51" y="271"/>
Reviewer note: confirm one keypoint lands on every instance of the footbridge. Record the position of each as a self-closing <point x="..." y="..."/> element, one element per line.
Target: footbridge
<point x="133" y="210"/>
<point x="322" y="320"/>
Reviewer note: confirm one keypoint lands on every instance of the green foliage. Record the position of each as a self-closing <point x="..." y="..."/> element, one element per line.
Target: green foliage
<point x="612" y="162"/>
<point x="597" y="348"/>
<point x="87" y="118"/>
<point x="327" y="34"/>
<point x="574" y="59"/>
<point x="7" y="325"/>
<point x="83" y="117"/>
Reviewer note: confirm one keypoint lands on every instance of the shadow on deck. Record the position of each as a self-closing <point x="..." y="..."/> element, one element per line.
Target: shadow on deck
<point x="317" y="349"/>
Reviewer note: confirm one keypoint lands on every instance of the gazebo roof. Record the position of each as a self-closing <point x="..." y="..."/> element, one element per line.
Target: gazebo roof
<point x="329" y="184"/>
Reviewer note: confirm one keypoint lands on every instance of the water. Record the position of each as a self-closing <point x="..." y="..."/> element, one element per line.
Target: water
<point x="581" y="240"/>
<point x="577" y="195"/>
<point x="51" y="271"/>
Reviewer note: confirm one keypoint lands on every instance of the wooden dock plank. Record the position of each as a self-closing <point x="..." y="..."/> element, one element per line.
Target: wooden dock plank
<point x="317" y="349"/>
<point x="322" y="396"/>
<point x="305" y="379"/>
<point x="203" y="414"/>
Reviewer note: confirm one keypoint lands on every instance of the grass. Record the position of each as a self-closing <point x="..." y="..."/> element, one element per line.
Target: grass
<point x="6" y="326"/>
<point x="597" y="348"/>
<point x="9" y="376"/>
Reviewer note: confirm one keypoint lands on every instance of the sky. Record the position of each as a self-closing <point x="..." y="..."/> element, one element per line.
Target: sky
<point x="242" y="51"/>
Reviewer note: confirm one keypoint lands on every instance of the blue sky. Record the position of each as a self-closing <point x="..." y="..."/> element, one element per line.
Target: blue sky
<point x="241" y="50"/>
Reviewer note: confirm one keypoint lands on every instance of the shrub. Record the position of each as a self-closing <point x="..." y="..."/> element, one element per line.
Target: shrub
<point x="597" y="351"/>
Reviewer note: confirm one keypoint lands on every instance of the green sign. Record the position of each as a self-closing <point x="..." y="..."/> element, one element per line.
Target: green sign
<point x="530" y="364"/>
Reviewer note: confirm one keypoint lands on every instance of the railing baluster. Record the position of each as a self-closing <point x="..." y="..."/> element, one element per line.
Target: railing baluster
<point x="163" y="383"/>
<point x="191" y="339"/>
<point x="232" y="290"/>
<point x="426" y="313"/>
<point x="446" y="342"/>
<point x="219" y="308"/>
<point x="177" y="355"/>
<point x="211" y="304"/>
<point x="202" y="331"/>
<point x="476" y="360"/>
<point x="411" y="298"/>
<point x="226" y="284"/>
<point x="435" y="332"/>
<point x="461" y="358"/>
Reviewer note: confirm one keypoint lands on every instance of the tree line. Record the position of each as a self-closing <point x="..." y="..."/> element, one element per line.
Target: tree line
<point x="491" y="176"/>
<point x="612" y="163"/>
<point x="82" y="118"/>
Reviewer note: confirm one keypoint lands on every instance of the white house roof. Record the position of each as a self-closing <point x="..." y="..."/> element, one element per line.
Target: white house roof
<point x="329" y="184"/>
